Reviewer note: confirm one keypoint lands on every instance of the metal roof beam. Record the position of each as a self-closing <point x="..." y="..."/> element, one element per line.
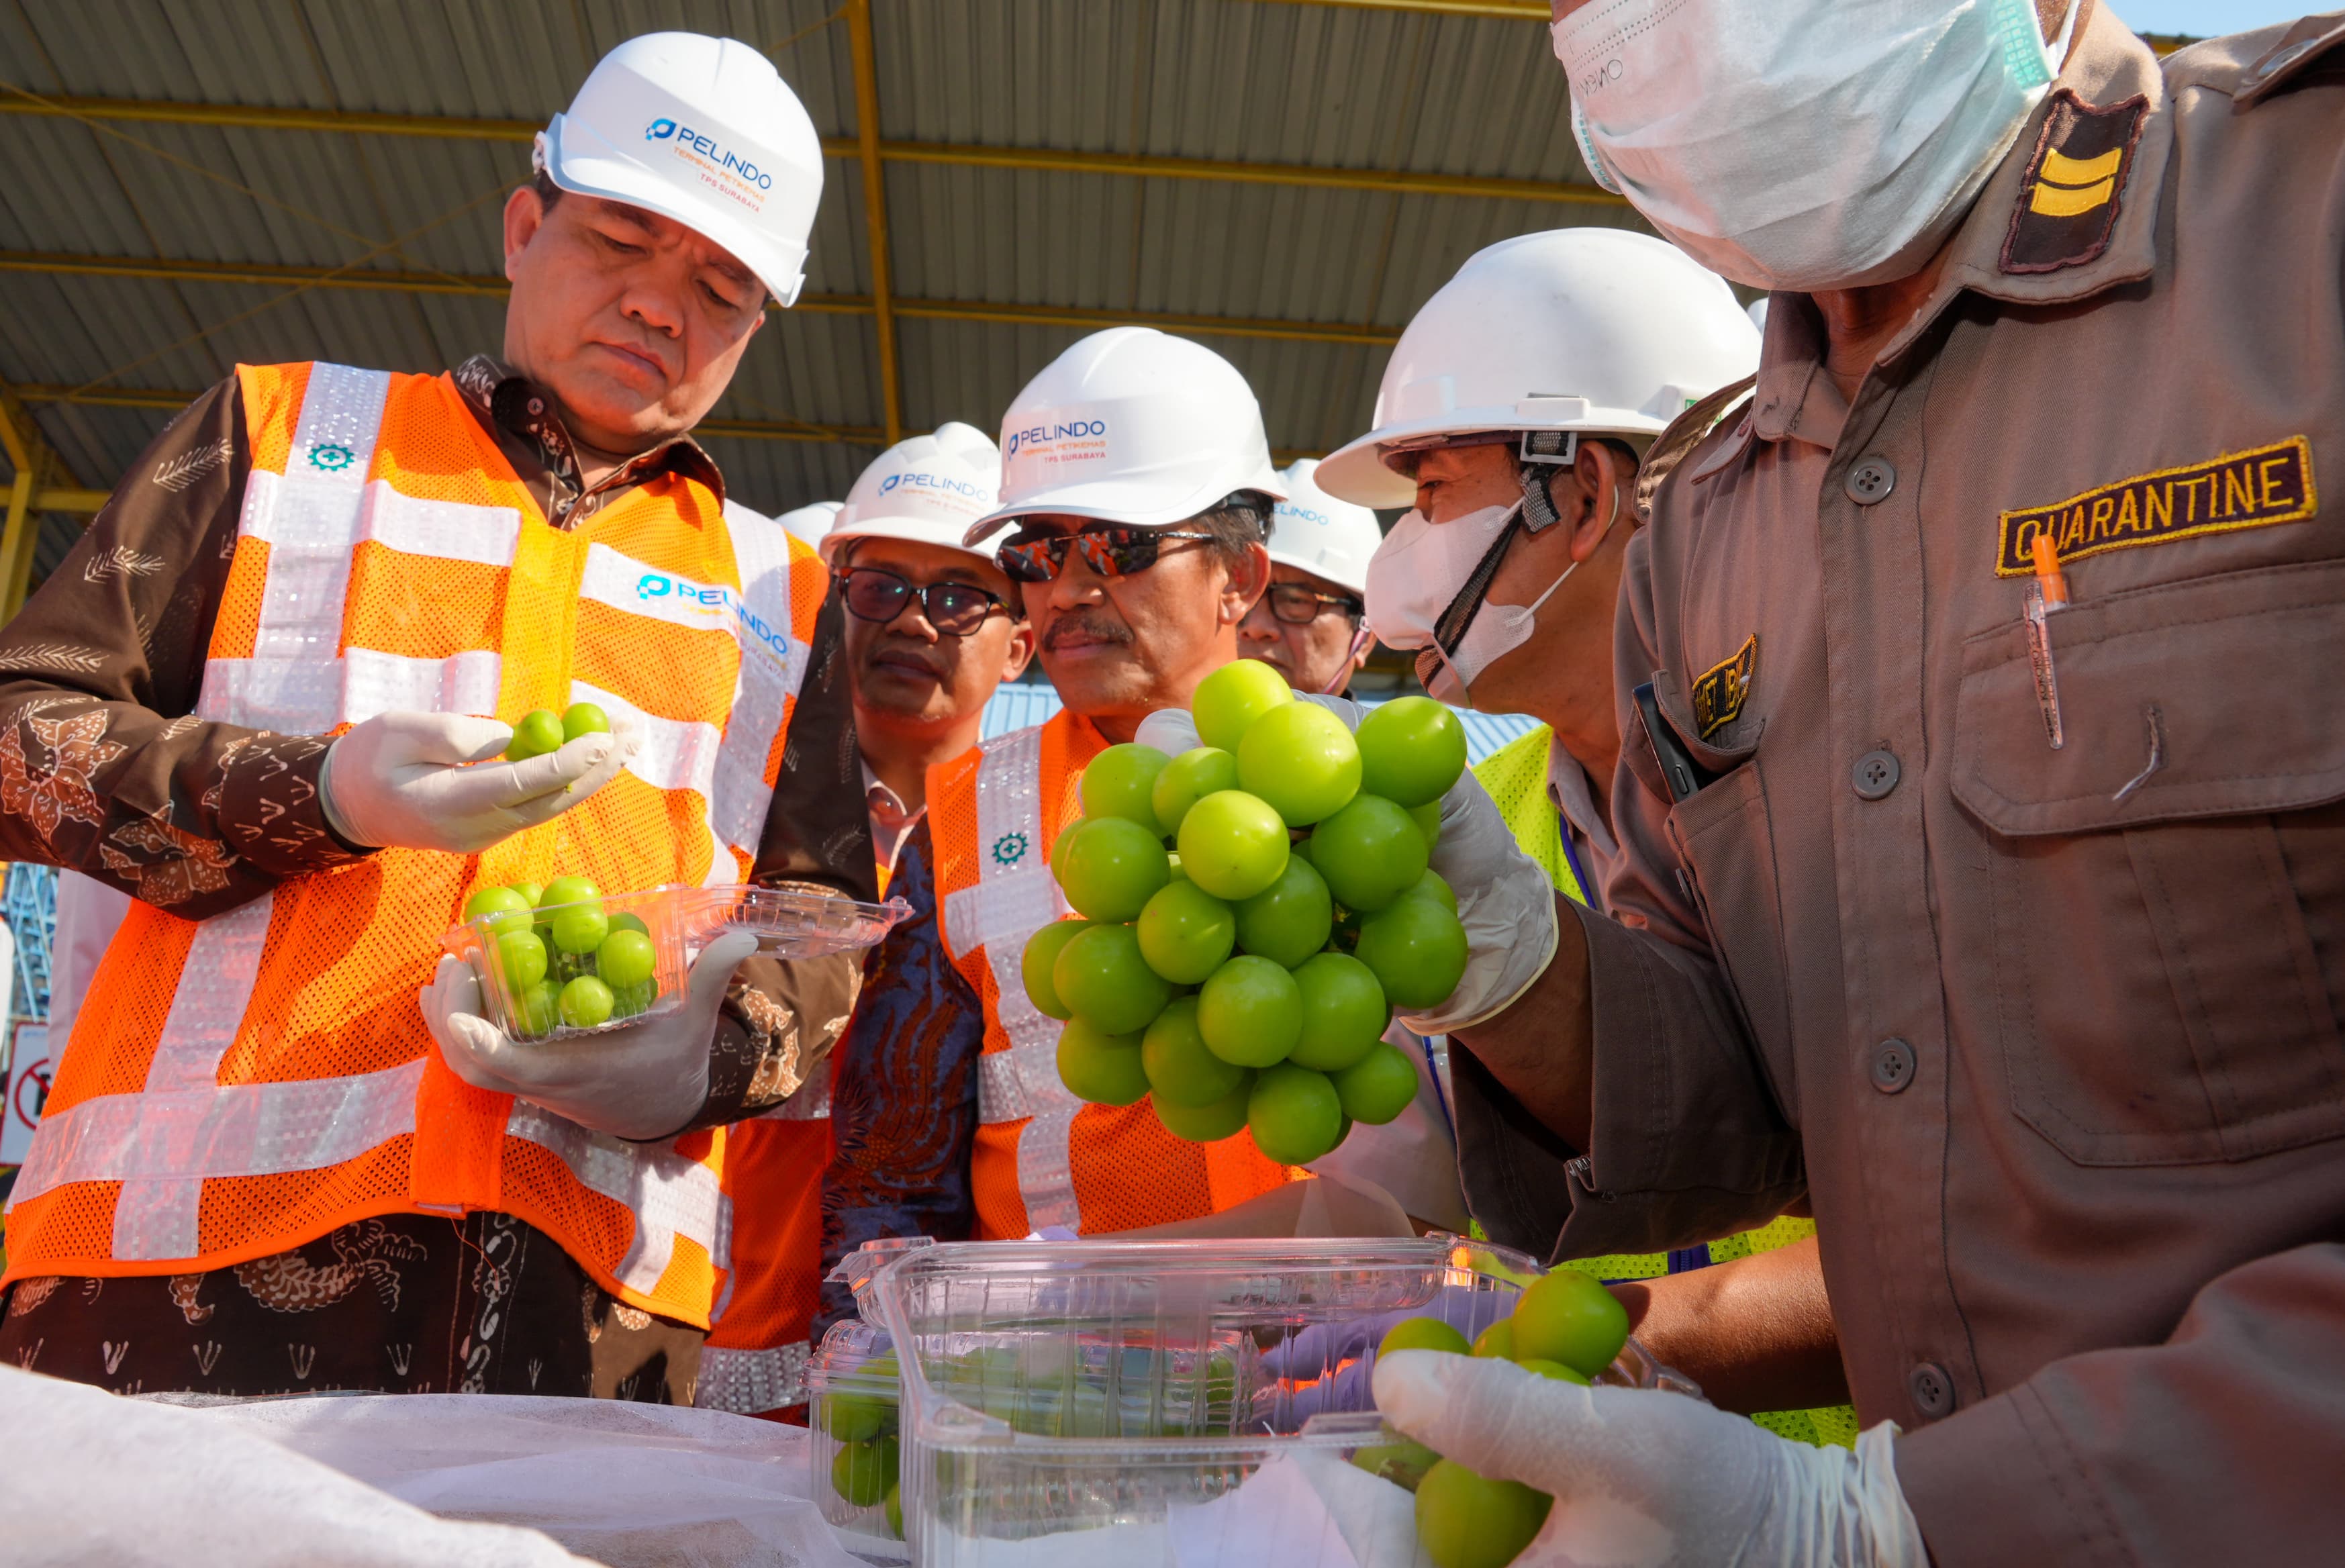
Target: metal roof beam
<point x="874" y="210"/>
<point x="273" y="275"/>
<point x="1057" y="160"/>
<point x="29" y="495"/>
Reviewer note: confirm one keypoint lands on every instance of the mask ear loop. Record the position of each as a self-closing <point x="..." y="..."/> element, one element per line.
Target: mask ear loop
<point x="1612" y="516"/>
<point x="1362" y="641"/>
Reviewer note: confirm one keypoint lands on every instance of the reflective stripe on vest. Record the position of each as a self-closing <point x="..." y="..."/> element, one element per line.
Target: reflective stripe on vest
<point x="751" y="1382"/>
<point x="754" y="1358"/>
<point x="378" y="512"/>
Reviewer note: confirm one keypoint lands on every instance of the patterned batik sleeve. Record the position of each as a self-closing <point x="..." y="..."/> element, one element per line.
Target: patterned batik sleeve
<point x="903" y="1098"/>
<point x="104" y="765"/>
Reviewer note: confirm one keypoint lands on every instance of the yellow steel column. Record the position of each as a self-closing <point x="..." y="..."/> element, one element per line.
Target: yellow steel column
<point x="16" y="545"/>
<point x="874" y="210"/>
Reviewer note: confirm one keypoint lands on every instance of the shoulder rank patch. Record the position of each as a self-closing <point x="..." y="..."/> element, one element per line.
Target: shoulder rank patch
<point x="1717" y="696"/>
<point x="2069" y="199"/>
<point x="2241" y="489"/>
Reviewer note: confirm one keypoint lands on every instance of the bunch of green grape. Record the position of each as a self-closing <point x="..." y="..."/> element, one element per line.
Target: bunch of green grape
<point x="1246" y="980"/>
<point x="541" y="732"/>
<point x="1566" y="1326"/>
<point x="865" y="1471"/>
<point x="564" y="958"/>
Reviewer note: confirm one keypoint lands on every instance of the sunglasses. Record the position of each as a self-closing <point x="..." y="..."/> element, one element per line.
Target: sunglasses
<point x="955" y="609"/>
<point x="1109" y="551"/>
<point x="1296" y="605"/>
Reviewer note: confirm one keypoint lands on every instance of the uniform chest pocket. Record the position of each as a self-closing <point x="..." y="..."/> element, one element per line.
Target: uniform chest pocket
<point x="2167" y="898"/>
<point x="1726" y="839"/>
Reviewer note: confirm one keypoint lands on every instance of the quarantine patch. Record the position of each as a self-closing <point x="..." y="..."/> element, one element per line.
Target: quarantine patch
<point x="1717" y="696"/>
<point x="2243" y="489"/>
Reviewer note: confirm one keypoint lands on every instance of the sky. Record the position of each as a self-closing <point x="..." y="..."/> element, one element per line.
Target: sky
<point x="2207" y="18"/>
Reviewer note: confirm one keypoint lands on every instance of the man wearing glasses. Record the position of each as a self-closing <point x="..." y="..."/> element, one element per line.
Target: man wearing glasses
<point x="1312" y="625"/>
<point x="932" y="628"/>
<point x="1137" y="481"/>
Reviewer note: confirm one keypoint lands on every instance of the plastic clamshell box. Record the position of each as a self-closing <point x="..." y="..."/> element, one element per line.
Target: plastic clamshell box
<point x="1136" y="1403"/>
<point x="662" y="912"/>
<point x="789" y="921"/>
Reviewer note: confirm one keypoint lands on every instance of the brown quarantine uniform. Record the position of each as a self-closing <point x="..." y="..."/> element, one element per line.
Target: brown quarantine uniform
<point x="104" y="768"/>
<point x="2049" y="1038"/>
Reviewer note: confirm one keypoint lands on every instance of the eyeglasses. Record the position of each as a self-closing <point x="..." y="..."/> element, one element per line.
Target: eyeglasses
<point x="1109" y="551"/>
<point x="955" y="609"/>
<point x="1297" y="605"/>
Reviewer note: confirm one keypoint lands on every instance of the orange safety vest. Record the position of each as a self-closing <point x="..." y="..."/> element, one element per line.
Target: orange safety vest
<point x="239" y="1086"/>
<point x="1042" y="1157"/>
<point x="754" y="1359"/>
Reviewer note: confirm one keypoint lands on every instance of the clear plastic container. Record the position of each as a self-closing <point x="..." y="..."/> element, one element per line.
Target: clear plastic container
<point x="1137" y="1404"/>
<point x="523" y="982"/>
<point x="790" y="922"/>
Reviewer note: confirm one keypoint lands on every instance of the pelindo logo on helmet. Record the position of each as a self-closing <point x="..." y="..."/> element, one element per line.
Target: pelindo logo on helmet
<point x="916" y="479"/>
<point x="659" y="130"/>
<point x="1051" y="435"/>
<point x="692" y="142"/>
<point x="1288" y="509"/>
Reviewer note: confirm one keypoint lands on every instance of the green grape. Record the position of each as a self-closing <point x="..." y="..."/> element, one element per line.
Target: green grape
<point x="1554" y="1371"/>
<point x="1058" y="854"/>
<point x="1569" y="1316"/>
<point x="1111" y="868"/>
<point x="584" y="719"/>
<point x="1250" y="1014"/>
<point x="522" y="955"/>
<point x="1378" y="1086"/>
<point x="1185" y="933"/>
<point x="630" y="923"/>
<point x="1181" y="1069"/>
<point x="1417" y="950"/>
<point x="894" y="1504"/>
<point x="580" y="929"/>
<point x="1187" y="779"/>
<point x="628" y="1001"/>
<point x="1403" y="1462"/>
<point x="1369" y="852"/>
<point x="1427" y="818"/>
<point x="587" y="1002"/>
<point x="1412" y="749"/>
<point x="858" y="1416"/>
<point x="1120" y="782"/>
<point x="569" y="890"/>
<point x="538" y="732"/>
<point x="1233" y="697"/>
<point x="1465" y="1521"/>
<point x="1104" y="1069"/>
<point x="626" y="958"/>
<point x="1302" y="759"/>
<point x="861" y="1472"/>
<point x="532" y="891"/>
<point x="1043" y="950"/>
<point x="1224" y="1117"/>
<point x="1289" y="920"/>
<point x="1294" y="1113"/>
<point x="1233" y="845"/>
<point x="538" y="1008"/>
<point x="1102" y="977"/>
<point x="506" y="909"/>
<point x="1343" y="1015"/>
<point x="1422" y="1334"/>
<point x="1496" y="1343"/>
<point x="1431" y="886"/>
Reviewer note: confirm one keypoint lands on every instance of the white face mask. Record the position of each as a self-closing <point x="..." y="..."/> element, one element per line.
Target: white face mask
<point x="1803" y="143"/>
<point x="1418" y="573"/>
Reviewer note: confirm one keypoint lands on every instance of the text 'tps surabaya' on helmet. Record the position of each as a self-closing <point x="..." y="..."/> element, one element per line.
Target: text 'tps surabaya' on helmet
<point x="703" y="131"/>
<point x="928" y="488"/>
<point x="1133" y="425"/>
<point x="1597" y="331"/>
<point x="1328" y="537"/>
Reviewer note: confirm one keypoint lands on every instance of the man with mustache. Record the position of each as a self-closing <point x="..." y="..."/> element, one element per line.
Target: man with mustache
<point x="266" y="695"/>
<point x="932" y="628"/>
<point x="1982" y="857"/>
<point x="1138" y="483"/>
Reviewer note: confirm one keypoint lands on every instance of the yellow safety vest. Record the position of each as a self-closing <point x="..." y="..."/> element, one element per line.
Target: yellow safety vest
<point x="1516" y="776"/>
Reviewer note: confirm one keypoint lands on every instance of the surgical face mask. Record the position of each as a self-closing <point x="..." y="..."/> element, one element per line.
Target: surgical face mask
<point x="1803" y="143"/>
<point x="1417" y="596"/>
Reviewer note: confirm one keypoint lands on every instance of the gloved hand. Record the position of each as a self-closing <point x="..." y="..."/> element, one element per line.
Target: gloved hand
<point x="398" y="780"/>
<point x="1651" y="1480"/>
<point x="1505" y="901"/>
<point x="641" y="1082"/>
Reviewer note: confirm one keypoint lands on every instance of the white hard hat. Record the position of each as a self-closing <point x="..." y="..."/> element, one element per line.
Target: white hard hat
<point x="1133" y="425"/>
<point x="811" y="521"/>
<point x="1326" y="537"/>
<point x="928" y="488"/>
<point x="1594" y="330"/>
<point x="702" y="130"/>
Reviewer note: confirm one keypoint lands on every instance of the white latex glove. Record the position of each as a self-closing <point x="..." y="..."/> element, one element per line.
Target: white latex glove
<point x="400" y="780"/>
<point x="641" y="1082"/>
<point x="1652" y="1479"/>
<point x="1505" y="901"/>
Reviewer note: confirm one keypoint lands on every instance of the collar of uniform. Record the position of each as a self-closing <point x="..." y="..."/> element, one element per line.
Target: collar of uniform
<point x="2108" y="66"/>
<point x="507" y="400"/>
<point x="1574" y="798"/>
<point x="1794" y="399"/>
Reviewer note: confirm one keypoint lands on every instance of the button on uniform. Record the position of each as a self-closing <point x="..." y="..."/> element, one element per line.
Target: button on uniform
<point x="1874" y="775"/>
<point x="1870" y="481"/>
<point x="1933" y="1388"/>
<point x="1892" y="1067"/>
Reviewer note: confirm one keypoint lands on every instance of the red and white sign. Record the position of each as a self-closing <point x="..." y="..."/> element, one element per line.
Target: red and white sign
<point x="28" y="1086"/>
